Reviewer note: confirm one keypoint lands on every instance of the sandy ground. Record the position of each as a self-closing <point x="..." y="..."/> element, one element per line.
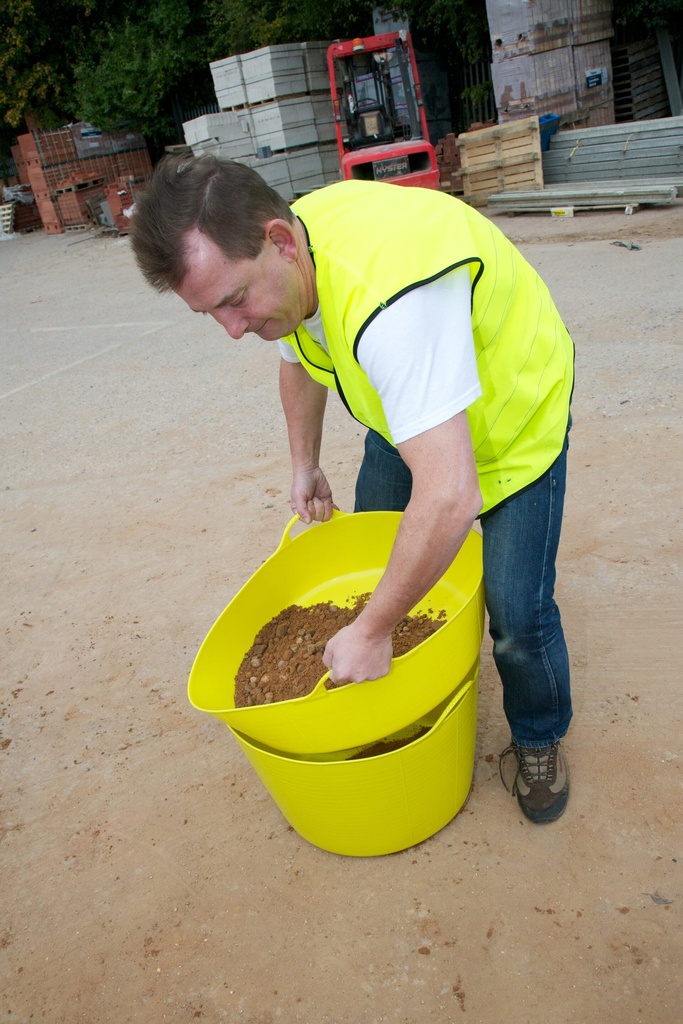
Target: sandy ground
<point x="147" y="875"/>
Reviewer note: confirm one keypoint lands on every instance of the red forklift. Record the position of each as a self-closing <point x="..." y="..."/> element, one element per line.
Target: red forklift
<point x="379" y="114"/>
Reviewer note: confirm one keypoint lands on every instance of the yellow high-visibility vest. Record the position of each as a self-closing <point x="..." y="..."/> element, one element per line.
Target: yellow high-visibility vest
<point x="371" y="243"/>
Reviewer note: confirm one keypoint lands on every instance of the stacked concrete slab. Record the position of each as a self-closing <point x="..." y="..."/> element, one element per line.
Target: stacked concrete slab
<point x="276" y="116"/>
<point x="552" y="56"/>
<point x="649" y="151"/>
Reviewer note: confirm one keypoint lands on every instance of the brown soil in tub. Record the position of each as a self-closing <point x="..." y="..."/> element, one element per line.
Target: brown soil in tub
<point x="285" y="660"/>
<point x="387" y="746"/>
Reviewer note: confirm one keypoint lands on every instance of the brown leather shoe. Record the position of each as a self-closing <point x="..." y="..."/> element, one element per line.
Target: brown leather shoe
<point x="541" y="782"/>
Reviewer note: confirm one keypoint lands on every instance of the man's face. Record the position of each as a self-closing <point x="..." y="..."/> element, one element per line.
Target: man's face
<point x="265" y="296"/>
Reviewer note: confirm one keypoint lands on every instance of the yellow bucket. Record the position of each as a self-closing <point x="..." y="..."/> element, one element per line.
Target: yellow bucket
<point x="336" y="561"/>
<point x="378" y="805"/>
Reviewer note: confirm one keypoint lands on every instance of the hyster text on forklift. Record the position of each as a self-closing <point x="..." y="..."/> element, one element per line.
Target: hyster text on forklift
<point x="379" y="115"/>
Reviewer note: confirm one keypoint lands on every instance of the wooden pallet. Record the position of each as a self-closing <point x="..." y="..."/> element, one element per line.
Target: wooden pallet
<point x="506" y="156"/>
<point x="7" y="217"/>
<point x="639" y="89"/>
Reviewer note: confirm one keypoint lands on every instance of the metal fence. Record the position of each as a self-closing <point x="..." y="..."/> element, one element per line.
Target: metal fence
<point x="476" y="97"/>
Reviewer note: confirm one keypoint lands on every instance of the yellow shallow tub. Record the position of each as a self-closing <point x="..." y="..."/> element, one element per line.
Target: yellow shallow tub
<point x="382" y="804"/>
<point x="336" y="561"/>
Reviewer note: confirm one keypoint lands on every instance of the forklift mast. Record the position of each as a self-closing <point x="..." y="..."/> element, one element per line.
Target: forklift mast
<point x="379" y="115"/>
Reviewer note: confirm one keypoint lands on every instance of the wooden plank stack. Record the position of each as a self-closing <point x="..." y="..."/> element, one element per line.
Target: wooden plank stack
<point x="639" y="87"/>
<point x="502" y="158"/>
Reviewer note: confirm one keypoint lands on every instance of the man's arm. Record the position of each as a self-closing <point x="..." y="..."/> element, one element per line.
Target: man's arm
<point x="303" y="401"/>
<point x="444" y="503"/>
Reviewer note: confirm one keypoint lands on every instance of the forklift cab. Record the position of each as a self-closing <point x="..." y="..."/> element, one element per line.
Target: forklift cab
<point x="369" y="125"/>
<point x="372" y="99"/>
<point x="380" y="120"/>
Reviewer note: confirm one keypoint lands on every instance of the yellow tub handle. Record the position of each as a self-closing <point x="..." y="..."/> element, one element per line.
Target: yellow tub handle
<point x="457" y="699"/>
<point x="287" y="538"/>
<point x="287" y="535"/>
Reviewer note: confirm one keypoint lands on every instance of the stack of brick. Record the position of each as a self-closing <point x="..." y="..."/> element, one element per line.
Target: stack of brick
<point x="26" y="217"/>
<point x="75" y="199"/>
<point x="24" y="209"/>
<point x="553" y="57"/>
<point x="276" y="116"/>
<point x="448" y="162"/>
<point x="67" y="167"/>
<point x="120" y="195"/>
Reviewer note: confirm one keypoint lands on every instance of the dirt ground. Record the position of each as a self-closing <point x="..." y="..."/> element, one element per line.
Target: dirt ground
<point x="147" y="874"/>
<point x="286" y="659"/>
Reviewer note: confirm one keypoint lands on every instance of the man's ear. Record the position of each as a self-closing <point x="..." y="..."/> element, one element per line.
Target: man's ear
<point x="282" y="236"/>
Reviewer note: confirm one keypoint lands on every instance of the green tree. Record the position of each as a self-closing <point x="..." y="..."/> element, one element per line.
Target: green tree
<point x="39" y="45"/>
<point x="238" y="26"/>
<point x="652" y="13"/>
<point x="456" y="28"/>
<point x="141" y="56"/>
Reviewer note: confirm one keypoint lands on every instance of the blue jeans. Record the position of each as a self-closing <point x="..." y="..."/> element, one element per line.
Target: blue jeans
<point x="521" y="539"/>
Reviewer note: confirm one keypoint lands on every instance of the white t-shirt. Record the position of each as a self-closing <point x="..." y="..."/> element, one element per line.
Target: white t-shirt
<point x="418" y="355"/>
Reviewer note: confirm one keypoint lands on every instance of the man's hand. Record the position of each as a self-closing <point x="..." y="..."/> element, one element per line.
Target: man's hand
<point x="311" y="496"/>
<point x="444" y="502"/>
<point x="353" y="657"/>
<point x="303" y="401"/>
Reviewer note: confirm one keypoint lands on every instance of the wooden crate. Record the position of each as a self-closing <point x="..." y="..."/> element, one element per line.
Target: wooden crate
<point x="500" y="159"/>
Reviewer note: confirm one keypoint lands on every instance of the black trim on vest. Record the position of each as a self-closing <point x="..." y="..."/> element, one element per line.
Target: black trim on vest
<point x="340" y="392"/>
<point x="303" y="355"/>
<point x="339" y="389"/>
<point x="412" y="287"/>
<point x="333" y="373"/>
<point x="325" y="369"/>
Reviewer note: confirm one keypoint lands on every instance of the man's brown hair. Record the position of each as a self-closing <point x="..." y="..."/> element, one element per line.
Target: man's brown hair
<point x="228" y="202"/>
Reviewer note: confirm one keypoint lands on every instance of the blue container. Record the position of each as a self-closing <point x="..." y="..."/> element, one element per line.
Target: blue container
<point x="549" y="123"/>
